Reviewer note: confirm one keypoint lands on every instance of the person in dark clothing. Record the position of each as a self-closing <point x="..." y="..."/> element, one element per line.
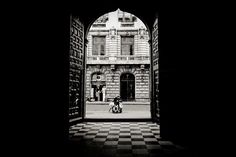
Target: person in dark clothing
<point x="117" y="105"/>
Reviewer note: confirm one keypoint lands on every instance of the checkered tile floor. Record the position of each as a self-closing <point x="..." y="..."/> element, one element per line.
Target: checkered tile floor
<point x="119" y="139"/>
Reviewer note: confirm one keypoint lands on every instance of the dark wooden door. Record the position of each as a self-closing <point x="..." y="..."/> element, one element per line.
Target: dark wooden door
<point x="76" y="73"/>
<point x="127" y="87"/>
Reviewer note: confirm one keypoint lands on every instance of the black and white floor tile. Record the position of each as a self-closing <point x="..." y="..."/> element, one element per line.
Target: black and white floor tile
<point x="122" y="139"/>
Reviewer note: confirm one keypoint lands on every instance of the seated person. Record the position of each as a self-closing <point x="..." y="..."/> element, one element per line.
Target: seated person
<point x="116" y="105"/>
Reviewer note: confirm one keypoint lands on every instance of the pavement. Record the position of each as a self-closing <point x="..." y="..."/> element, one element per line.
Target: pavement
<point x="130" y="110"/>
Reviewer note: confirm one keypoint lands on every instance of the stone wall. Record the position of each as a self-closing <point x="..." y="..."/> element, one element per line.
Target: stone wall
<point x="142" y="80"/>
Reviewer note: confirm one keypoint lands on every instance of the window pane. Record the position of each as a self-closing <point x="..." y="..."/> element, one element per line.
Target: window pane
<point x="98" y="45"/>
<point x="95" y="49"/>
<point x="102" y="50"/>
<point x="99" y="40"/>
<point x="125" y="50"/>
<point x="127" y="44"/>
<point x="131" y="49"/>
<point x="127" y="40"/>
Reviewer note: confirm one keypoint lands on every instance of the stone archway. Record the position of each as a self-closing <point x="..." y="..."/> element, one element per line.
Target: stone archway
<point x="152" y="82"/>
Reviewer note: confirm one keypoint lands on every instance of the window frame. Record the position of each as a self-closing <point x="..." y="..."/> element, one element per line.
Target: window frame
<point x="131" y="53"/>
<point x="100" y="44"/>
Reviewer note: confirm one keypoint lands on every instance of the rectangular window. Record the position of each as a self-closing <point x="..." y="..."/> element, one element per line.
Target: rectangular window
<point x="127" y="45"/>
<point x="98" y="45"/>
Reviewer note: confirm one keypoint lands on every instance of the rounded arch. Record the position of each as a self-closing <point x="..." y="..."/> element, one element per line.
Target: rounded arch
<point x="126" y="72"/>
<point x="109" y="11"/>
<point x="93" y="20"/>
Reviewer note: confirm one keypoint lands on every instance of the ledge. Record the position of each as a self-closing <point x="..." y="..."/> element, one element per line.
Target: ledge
<point x="117" y="62"/>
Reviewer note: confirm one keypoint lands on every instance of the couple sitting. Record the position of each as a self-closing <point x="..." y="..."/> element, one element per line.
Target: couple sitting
<point x="116" y="106"/>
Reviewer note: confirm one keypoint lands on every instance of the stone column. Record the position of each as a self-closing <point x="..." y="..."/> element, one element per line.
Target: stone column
<point x="104" y="94"/>
<point x="92" y="93"/>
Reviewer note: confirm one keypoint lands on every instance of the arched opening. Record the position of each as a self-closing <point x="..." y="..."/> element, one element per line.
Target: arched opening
<point x="153" y="72"/>
<point x="127" y="87"/>
<point x="117" y="43"/>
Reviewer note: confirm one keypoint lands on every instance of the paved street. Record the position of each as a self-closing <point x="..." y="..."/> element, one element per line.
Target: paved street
<point x="100" y="110"/>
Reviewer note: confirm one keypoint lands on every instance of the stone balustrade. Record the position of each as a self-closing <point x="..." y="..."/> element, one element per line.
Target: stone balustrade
<point x="118" y="59"/>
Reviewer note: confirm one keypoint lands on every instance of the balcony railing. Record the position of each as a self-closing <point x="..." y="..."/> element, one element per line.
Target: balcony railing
<point x="118" y="57"/>
<point x="132" y="57"/>
<point x="98" y="58"/>
<point x="137" y="59"/>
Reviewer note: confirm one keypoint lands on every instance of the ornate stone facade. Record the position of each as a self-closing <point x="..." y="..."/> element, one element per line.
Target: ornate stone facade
<point x="118" y="59"/>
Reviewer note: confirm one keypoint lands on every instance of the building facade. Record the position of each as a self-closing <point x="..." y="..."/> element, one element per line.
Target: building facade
<point x="118" y="58"/>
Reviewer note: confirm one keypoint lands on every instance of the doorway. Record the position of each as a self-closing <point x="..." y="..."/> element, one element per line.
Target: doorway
<point x="98" y="86"/>
<point x="127" y="87"/>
